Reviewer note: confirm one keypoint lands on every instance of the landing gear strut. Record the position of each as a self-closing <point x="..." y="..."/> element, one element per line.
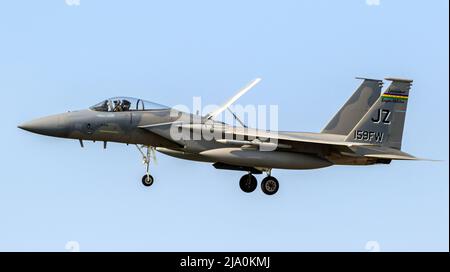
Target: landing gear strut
<point x="147" y="179"/>
<point x="248" y="183"/>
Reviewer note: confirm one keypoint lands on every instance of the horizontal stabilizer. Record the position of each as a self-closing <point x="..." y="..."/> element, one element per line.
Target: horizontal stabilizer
<point x="398" y="157"/>
<point x="381" y="152"/>
<point x="391" y="157"/>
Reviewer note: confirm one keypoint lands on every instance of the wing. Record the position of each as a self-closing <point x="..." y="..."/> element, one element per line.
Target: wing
<point x="293" y="140"/>
<point x="245" y="133"/>
<point x="294" y="137"/>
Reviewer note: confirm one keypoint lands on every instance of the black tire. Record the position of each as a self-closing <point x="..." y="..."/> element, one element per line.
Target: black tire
<point x="270" y="185"/>
<point x="248" y="183"/>
<point x="147" y="180"/>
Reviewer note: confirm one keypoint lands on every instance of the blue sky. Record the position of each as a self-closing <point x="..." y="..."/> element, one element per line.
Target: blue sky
<point x="55" y="57"/>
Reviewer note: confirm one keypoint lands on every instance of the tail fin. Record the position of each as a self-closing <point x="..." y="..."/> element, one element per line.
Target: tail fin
<point x="355" y="107"/>
<point x="383" y="123"/>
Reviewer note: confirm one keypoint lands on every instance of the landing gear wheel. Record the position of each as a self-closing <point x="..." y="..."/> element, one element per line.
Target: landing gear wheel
<point x="270" y="185"/>
<point x="147" y="180"/>
<point x="248" y="183"/>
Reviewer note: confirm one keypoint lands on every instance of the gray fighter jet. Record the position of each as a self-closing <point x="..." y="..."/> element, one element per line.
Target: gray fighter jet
<point x="367" y="130"/>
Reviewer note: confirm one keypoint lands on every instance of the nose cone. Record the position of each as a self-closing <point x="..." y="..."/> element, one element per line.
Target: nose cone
<point x="50" y="126"/>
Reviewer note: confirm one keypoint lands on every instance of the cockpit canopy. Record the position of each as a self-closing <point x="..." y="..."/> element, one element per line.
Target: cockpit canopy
<point x="117" y="104"/>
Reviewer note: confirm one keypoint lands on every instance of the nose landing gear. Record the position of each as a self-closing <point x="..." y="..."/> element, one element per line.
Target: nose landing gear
<point x="147" y="179"/>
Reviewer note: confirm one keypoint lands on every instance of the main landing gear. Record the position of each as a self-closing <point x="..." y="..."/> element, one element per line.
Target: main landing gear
<point x="269" y="185"/>
<point x="147" y="179"/>
<point x="248" y="183"/>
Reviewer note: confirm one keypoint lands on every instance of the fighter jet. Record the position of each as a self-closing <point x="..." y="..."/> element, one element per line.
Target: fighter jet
<point x="367" y="130"/>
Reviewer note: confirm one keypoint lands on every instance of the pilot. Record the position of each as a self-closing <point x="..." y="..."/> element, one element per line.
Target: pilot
<point x="117" y="105"/>
<point x="126" y="105"/>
